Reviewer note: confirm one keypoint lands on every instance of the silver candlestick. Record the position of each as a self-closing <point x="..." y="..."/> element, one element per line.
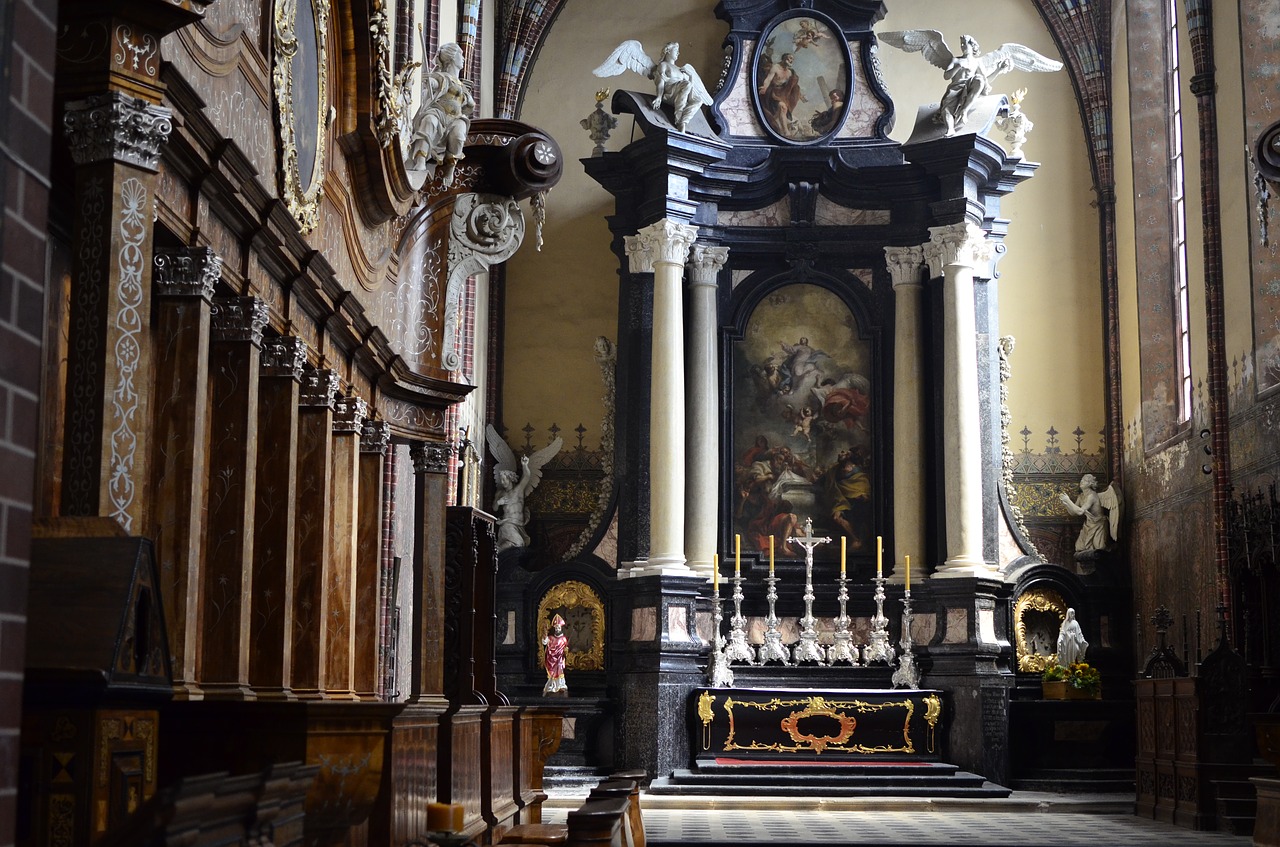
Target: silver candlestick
<point x="772" y="649"/>
<point x="738" y="650"/>
<point x="808" y="649"/>
<point x="907" y="675"/>
<point x="718" y="671"/>
<point x="879" y="650"/>
<point x="843" y="650"/>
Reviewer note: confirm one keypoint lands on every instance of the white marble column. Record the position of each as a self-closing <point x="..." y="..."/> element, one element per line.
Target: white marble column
<point x="662" y="249"/>
<point x="906" y="265"/>
<point x="954" y="253"/>
<point x="702" y="393"/>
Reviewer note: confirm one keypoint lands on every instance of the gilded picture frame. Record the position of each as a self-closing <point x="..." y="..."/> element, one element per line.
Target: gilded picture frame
<point x="300" y="78"/>
<point x="583" y="612"/>
<point x="1036" y="645"/>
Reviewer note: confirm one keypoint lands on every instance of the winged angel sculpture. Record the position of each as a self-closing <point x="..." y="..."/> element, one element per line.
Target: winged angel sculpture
<point x="1102" y="512"/>
<point x="514" y="485"/>
<point x="678" y="86"/>
<point x="968" y="75"/>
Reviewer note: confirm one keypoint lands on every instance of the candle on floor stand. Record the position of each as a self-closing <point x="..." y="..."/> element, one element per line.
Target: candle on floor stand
<point x="715" y="573"/>
<point x="907" y="562"/>
<point x="843" y="540"/>
<point x="737" y="555"/>
<point x="879" y="557"/>
<point x="770" y="555"/>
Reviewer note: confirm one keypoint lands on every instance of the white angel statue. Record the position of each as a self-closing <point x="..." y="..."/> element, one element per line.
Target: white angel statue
<point x="968" y="75"/>
<point x="1101" y="511"/>
<point x="678" y="86"/>
<point x="514" y="486"/>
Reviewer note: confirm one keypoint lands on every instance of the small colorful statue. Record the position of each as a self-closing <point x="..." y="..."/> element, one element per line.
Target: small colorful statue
<point x="557" y="646"/>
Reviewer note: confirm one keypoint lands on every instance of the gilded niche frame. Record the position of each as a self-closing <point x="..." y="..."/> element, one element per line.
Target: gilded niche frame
<point x="583" y="612"/>
<point x="1031" y="639"/>
<point x="303" y="126"/>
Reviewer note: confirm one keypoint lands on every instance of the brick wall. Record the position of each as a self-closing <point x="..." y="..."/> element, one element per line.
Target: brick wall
<point x="26" y="94"/>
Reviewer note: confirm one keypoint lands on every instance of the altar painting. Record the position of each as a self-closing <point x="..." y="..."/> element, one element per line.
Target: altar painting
<point x="802" y="79"/>
<point x="801" y="423"/>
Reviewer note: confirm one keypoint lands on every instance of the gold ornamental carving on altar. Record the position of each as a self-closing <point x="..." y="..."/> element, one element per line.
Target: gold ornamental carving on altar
<point x="583" y="613"/>
<point x="841" y="712"/>
<point x="1033" y="615"/>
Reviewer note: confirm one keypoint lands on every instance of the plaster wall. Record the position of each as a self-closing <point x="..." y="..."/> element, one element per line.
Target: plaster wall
<point x="559" y="300"/>
<point x="1050" y="279"/>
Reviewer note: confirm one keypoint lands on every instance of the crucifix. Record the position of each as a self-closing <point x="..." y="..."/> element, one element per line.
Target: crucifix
<point x="808" y="649"/>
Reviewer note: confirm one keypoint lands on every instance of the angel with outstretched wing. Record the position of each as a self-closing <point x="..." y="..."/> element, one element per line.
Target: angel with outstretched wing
<point x="968" y="75"/>
<point x="514" y="486"/>
<point x="678" y="86"/>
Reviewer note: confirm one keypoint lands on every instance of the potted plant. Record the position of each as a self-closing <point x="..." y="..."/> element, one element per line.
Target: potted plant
<point x="1053" y="683"/>
<point x="1083" y="682"/>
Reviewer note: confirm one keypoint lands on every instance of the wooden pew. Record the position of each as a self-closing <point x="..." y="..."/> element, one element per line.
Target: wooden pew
<point x="599" y="823"/>
<point x="623" y="794"/>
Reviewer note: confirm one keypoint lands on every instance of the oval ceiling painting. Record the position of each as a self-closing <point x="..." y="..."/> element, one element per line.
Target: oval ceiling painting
<point x="803" y="86"/>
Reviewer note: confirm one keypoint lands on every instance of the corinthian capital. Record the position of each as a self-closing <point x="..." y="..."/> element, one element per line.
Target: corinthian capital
<point x="115" y="127"/>
<point x="904" y="264"/>
<point x="186" y="272"/>
<point x="705" y="261"/>
<point x="238" y="319"/>
<point x="957" y="244"/>
<point x="664" y="242"/>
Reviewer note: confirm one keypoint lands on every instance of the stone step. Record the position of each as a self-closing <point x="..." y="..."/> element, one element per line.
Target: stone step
<point x="1076" y="781"/>
<point x="922" y="780"/>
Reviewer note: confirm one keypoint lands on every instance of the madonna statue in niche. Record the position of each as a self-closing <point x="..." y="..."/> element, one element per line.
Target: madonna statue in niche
<point x="802" y="433"/>
<point x="802" y="79"/>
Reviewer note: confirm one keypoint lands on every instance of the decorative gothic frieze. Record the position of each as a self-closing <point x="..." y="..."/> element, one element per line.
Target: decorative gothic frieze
<point x="349" y="414"/>
<point x="186" y="272"/>
<point x="375" y="437"/>
<point x="284" y="355"/>
<point x="116" y="127"/>
<point x="239" y="319"/>
<point x="319" y="388"/>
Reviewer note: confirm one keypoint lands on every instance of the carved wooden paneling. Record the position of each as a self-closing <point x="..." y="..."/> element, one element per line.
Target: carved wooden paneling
<point x="498" y="775"/>
<point x="340" y="578"/>
<point x="413" y="776"/>
<point x="184" y="288"/>
<point x="461" y="764"/>
<point x="312" y="527"/>
<point x="374" y="441"/>
<point x="271" y="625"/>
<point x="233" y="408"/>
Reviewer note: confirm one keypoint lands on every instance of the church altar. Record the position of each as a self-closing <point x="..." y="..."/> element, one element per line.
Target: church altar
<point x="812" y="726"/>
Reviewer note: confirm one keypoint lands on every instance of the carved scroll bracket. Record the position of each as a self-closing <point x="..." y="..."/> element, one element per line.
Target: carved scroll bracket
<point x="485" y="230"/>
